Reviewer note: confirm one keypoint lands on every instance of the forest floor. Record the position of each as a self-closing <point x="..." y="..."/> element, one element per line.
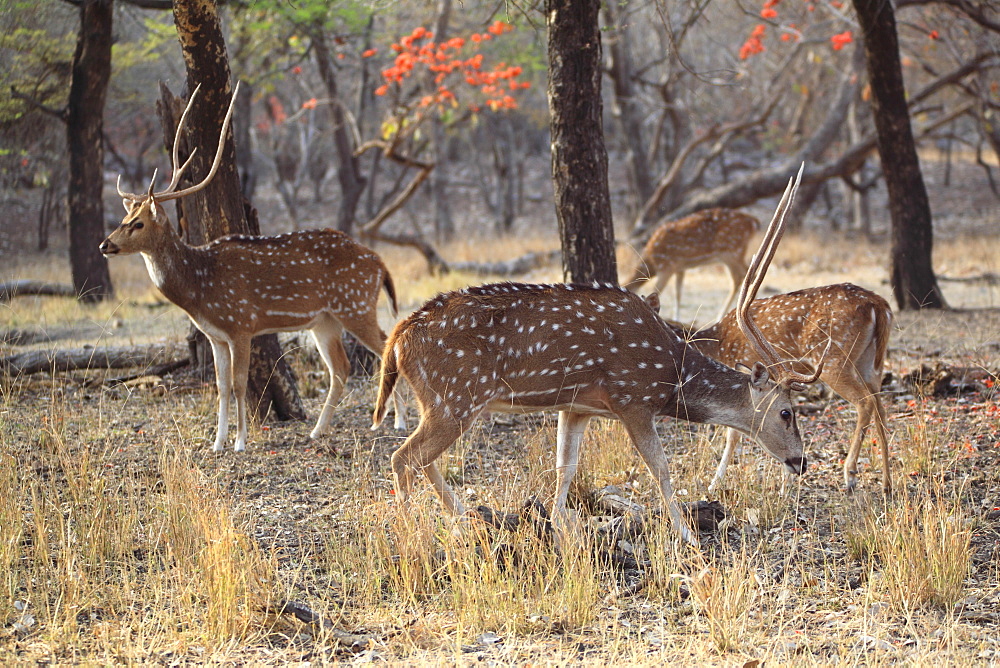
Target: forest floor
<point x="123" y="539"/>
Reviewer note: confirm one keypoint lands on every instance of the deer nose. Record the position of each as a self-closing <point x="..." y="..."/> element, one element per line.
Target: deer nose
<point x="796" y="465"/>
<point x="108" y="248"/>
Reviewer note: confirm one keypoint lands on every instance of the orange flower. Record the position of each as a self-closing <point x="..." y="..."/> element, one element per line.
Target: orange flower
<point x="369" y="53"/>
<point x="310" y="103"/>
<point x="768" y="13"/>
<point x="296" y="70"/>
<point x="934" y="34"/>
<point x="499" y="27"/>
<point x="841" y="40"/>
<point x="382" y="90"/>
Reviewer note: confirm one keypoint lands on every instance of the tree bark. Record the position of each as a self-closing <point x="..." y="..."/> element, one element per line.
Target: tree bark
<point x="911" y="273"/>
<point x="352" y="183"/>
<point x="579" y="158"/>
<point x="84" y="130"/>
<point x="626" y="108"/>
<point x="220" y="208"/>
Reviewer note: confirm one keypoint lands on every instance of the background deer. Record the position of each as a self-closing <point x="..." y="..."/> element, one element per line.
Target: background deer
<point x="705" y="237"/>
<point x="583" y="351"/>
<point x="853" y="322"/>
<point x="239" y="286"/>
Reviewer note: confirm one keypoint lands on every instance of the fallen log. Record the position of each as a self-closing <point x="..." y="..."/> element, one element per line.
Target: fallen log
<point x="22" y="287"/>
<point x="513" y="267"/>
<point x="92" y="358"/>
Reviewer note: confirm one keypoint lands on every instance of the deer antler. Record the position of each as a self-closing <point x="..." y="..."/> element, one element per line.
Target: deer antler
<point x="752" y="282"/>
<point x="171" y="192"/>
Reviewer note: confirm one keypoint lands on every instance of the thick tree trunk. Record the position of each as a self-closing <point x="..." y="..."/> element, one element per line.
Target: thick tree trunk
<point x="912" y="273"/>
<point x="84" y="124"/>
<point x="579" y="159"/>
<point x="626" y="107"/>
<point x="352" y="183"/>
<point x="444" y="224"/>
<point x="220" y="208"/>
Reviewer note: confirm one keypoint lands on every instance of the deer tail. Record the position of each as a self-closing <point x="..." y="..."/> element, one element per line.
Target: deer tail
<point x="883" y="327"/>
<point x="390" y="291"/>
<point x="388" y="376"/>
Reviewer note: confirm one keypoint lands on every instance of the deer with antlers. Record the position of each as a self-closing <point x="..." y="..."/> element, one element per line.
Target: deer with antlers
<point x="237" y="287"/>
<point x="706" y="237"/>
<point x="583" y="351"/>
<point x="844" y="326"/>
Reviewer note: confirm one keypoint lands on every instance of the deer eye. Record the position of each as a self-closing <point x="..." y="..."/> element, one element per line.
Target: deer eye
<point x="786" y="414"/>
<point x="137" y="225"/>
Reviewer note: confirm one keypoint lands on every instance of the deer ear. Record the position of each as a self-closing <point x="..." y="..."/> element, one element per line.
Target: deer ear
<point x="653" y="299"/>
<point x="759" y="376"/>
<point x="153" y="207"/>
<point x="128" y="204"/>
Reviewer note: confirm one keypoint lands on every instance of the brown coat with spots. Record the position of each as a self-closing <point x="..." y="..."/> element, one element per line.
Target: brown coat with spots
<point x="706" y="237"/>
<point x="800" y="324"/>
<point x="580" y="350"/>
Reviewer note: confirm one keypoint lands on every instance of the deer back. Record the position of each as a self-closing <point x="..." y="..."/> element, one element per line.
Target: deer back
<point x="700" y="238"/>
<point x="517" y="347"/>
<point x="800" y="324"/>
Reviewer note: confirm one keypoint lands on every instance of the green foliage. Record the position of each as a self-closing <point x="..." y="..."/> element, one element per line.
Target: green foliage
<point x="34" y="63"/>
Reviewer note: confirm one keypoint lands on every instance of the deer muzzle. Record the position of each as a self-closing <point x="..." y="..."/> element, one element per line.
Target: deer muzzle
<point x="796" y="465"/>
<point x="108" y="249"/>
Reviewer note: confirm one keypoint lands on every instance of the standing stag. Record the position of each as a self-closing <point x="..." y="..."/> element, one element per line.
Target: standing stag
<point x="705" y="237"/>
<point x="852" y="322"/>
<point x="583" y="351"/>
<point x="237" y="287"/>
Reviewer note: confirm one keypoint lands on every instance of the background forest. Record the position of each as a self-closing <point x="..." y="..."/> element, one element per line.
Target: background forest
<point x="123" y="539"/>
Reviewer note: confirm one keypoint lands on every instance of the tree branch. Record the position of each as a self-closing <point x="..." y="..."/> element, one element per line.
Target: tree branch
<point x="61" y="114"/>
<point x="964" y="6"/>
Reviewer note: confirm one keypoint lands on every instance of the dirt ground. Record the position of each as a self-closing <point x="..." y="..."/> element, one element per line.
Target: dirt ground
<point x="299" y="497"/>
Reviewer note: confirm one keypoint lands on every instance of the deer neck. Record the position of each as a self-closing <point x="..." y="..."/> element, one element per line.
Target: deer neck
<point x="713" y="393"/>
<point x="179" y="271"/>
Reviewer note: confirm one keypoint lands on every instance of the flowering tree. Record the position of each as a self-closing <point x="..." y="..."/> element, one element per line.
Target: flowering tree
<point x="451" y="81"/>
<point x="911" y="271"/>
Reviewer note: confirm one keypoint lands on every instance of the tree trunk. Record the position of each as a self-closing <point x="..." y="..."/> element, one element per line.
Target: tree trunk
<point x="352" y="183"/>
<point x="84" y="129"/>
<point x="626" y="108"/>
<point x="220" y="208"/>
<point x="579" y="158"/>
<point x="912" y="273"/>
<point x="444" y="224"/>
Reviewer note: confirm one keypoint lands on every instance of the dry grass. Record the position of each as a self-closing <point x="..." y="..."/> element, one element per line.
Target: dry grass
<point x="123" y="540"/>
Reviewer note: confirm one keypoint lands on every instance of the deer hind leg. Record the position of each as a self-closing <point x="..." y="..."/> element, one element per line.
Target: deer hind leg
<point x="432" y="437"/>
<point x="737" y="270"/>
<point x="732" y="440"/>
<point x="224" y="383"/>
<point x="366" y="330"/>
<point x="870" y="410"/>
<point x="240" y="351"/>
<point x="327" y="335"/>
<point x="642" y="430"/>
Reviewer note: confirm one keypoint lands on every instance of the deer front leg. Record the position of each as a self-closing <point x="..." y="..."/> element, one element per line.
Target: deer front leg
<point x="240" y="351"/>
<point x="224" y="383"/>
<point x="732" y="439"/>
<point x="569" y="435"/>
<point x="642" y="431"/>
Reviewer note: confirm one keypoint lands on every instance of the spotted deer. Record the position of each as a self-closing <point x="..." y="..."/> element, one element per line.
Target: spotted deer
<point x="705" y="237"/>
<point x="844" y="325"/>
<point x="584" y="351"/>
<point x="237" y="287"/>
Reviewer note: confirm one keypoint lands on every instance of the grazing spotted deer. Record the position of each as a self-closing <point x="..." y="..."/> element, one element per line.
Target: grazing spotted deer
<point x="237" y="287"/>
<point x="855" y="323"/>
<point x="583" y="351"/>
<point x="705" y="237"/>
